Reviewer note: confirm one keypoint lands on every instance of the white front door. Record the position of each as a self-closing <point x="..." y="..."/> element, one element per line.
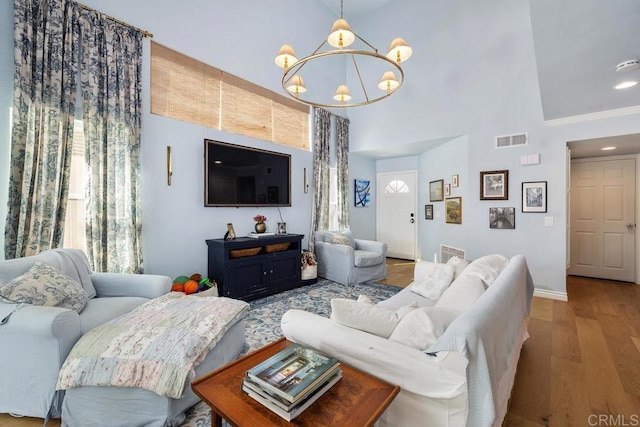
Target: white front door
<point x="397" y="213"/>
<point x="603" y="212"/>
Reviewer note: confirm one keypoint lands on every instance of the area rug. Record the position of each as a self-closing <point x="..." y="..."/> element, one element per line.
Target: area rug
<point x="263" y="320"/>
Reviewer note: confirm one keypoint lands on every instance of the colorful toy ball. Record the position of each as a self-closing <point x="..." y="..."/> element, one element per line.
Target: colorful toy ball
<point x="190" y="287"/>
<point x="177" y="287"/>
<point x="181" y="279"/>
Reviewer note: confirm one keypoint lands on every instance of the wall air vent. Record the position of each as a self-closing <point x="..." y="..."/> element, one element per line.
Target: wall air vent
<point x="514" y="140"/>
<point x="447" y="252"/>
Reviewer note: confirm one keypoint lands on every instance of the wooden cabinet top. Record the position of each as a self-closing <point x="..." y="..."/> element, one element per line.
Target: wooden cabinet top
<point x="248" y="242"/>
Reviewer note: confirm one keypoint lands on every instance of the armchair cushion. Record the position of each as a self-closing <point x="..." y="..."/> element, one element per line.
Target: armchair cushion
<point x="43" y="285"/>
<point x="366" y="258"/>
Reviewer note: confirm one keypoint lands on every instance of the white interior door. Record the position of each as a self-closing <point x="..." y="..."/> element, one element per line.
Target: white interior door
<point x="603" y="219"/>
<point x="397" y="213"/>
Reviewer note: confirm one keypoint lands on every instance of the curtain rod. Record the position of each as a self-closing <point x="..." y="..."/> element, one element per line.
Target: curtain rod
<point x="143" y="32"/>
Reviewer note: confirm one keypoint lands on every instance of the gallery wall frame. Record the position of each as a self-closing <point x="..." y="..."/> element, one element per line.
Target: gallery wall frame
<point x="447" y="190"/>
<point x="494" y="185"/>
<point x="534" y="196"/>
<point x="453" y="210"/>
<point x="436" y="190"/>
<point x="502" y="218"/>
<point x="428" y="211"/>
<point x="455" y="180"/>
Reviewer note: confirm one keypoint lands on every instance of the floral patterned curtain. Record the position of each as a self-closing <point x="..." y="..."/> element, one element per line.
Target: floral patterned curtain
<point x="342" y="131"/>
<point x="111" y="89"/>
<point x="321" y="141"/>
<point x="45" y="81"/>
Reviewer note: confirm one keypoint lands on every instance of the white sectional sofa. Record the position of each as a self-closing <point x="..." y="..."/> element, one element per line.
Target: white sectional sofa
<point x="454" y="356"/>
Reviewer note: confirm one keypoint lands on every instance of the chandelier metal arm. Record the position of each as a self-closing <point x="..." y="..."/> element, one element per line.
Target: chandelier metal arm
<point x="364" y="90"/>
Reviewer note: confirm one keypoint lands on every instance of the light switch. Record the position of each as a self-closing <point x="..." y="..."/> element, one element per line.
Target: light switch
<point x="548" y="221"/>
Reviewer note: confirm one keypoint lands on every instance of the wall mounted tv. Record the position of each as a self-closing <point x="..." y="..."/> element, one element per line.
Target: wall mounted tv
<point x="242" y="176"/>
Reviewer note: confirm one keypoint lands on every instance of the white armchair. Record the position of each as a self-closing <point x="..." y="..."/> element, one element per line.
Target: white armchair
<point x="347" y="260"/>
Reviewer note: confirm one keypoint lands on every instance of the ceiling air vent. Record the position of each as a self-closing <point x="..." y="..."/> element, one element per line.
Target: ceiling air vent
<point x="511" y="140"/>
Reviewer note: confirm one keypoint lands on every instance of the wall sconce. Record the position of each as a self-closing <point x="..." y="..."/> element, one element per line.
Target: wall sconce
<point x="305" y="185"/>
<point x="169" y="165"/>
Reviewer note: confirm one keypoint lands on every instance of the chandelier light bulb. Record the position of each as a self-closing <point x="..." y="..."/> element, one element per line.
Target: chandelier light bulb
<point x="342" y="94"/>
<point x="388" y="82"/>
<point x="286" y="57"/>
<point x="399" y="50"/>
<point x="296" y="85"/>
<point x="341" y="34"/>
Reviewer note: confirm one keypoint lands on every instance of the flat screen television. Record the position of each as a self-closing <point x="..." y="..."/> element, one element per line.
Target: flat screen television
<point x="242" y="176"/>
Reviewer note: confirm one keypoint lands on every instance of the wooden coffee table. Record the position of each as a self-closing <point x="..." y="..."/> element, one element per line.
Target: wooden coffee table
<point x="358" y="399"/>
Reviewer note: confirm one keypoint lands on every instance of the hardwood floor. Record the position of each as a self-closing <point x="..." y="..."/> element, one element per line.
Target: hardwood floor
<point x="580" y="367"/>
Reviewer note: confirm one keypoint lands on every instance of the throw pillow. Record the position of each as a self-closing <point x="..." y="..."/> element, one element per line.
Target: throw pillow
<point x="437" y="278"/>
<point x="349" y="235"/>
<point x="463" y="292"/>
<point x="43" y="285"/>
<point x="487" y="268"/>
<point x="339" y="239"/>
<point x="458" y="265"/>
<point x="367" y="317"/>
<point x="421" y="328"/>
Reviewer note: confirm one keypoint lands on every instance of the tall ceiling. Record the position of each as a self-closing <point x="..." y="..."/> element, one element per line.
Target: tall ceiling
<point x="578" y="44"/>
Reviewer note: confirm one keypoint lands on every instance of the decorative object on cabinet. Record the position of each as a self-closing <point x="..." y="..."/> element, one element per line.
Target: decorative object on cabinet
<point x="436" y="190"/>
<point x="494" y="185"/>
<point x="453" y="207"/>
<point x="503" y="218"/>
<point x="534" y="196"/>
<point x="230" y="234"/>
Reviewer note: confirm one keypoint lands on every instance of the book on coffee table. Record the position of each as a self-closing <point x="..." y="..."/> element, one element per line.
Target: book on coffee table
<point x="293" y="372"/>
<point x="278" y="407"/>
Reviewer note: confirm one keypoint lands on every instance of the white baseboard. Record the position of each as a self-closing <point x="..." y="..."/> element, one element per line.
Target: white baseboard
<point x="543" y="293"/>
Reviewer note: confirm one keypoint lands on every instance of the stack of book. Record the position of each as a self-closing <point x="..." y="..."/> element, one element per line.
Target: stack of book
<point x="290" y="381"/>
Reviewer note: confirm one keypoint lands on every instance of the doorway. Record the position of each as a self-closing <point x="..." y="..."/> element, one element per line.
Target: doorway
<point x="397" y="213"/>
<point x="603" y="218"/>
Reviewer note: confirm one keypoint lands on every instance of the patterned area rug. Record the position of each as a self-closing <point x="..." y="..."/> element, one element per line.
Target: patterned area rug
<point x="263" y="320"/>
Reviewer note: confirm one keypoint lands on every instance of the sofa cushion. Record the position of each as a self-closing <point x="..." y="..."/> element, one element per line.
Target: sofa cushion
<point x="421" y="328"/>
<point x="487" y="268"/>
<point x="462" y="293"/>
<point x="437" y="278"/>
<point x="458" y="265"/>
<point x="367" y="317"/>
<point x="43" y="285"/>
<point x="367" y="258"/>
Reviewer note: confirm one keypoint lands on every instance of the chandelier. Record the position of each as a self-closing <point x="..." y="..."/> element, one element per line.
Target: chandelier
<point x="341" y="37"/>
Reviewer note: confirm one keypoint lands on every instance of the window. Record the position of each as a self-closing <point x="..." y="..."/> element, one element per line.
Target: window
<point x="396" y="186"/>
<point x="74" y="222"/>
<point x="185" y="89"/>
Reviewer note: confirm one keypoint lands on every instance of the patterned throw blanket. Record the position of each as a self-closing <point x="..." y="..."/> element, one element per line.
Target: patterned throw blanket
<point x="155" y="347"/>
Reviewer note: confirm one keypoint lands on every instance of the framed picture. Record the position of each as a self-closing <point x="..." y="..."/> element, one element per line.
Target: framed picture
<point x="447" y="190"/>
<point x="454" y="181"/>
<point x="428" y="211"/>
<point x="230" y="234"/>
<point x="453" y="206"/>
<point x="494" y="185"/>
<point x="436" y="190"/>
<point x="503" y="218"/>
<point x="362" y="193"/>
<point x="534" y="196"/>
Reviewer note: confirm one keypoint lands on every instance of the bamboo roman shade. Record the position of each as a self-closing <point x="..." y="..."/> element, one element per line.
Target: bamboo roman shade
<point x="191" y="91"/>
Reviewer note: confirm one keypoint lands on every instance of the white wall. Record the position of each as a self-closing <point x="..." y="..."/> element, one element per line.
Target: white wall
<point x="362" y="219"/>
